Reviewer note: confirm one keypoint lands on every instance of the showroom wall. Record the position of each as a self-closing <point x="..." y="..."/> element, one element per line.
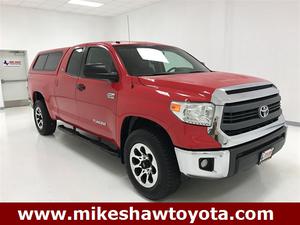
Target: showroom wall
<point x="251" y="37"/>
<point x="34" y="29"/>
<point x="257" y="37"/>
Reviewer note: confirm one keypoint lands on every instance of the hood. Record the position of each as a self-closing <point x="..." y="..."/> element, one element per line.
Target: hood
<point x="196" y="84"/>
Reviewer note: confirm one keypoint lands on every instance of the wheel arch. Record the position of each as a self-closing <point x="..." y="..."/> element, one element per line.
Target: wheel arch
<point x="36" y="95"/>
<point x="131" y="123"/>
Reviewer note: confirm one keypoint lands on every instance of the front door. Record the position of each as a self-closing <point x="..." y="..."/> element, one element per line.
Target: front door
<point x="96" y="99"/>
<point x="13" y="74"/>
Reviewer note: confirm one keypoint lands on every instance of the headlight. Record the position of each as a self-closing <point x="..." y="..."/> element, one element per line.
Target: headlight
<point x="194" y="113"/>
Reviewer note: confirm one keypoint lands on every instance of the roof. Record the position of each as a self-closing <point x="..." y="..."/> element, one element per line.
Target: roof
<point x="134" y="43"/>
<point x="114" y="43"/>
<point x="111" y="43"/>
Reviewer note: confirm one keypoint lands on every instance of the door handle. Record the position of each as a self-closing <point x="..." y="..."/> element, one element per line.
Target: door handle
<point x="80" y="87"/>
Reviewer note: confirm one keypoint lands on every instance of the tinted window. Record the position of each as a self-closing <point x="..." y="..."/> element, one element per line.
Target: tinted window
<point x="158" y="60"/>
<point x="40" y="62"/>
<point x="52" y="61"/>
<point x="175" y="61"/>
<point x="102" y="56"/>
<point x="75" y="60"/>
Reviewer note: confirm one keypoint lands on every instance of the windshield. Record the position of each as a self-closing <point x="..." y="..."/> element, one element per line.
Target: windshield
<point x="158" y="60"/>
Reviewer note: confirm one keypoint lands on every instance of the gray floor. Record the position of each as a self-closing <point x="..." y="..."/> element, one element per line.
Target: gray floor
<point x="62" y="168"/>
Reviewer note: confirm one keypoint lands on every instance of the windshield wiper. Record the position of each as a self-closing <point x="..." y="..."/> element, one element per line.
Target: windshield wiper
<point x="169" y="73"/>
<point x="196" y="71"/>
<point x="162" y="73"/>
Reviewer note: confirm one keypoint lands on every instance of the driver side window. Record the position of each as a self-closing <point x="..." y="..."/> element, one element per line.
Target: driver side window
<point x="176" y="60"/>
<point x="98" y="55"/>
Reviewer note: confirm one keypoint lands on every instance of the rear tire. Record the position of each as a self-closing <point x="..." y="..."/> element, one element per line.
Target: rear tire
<point x="43" y="122"/>
<point x="151" y="164"/>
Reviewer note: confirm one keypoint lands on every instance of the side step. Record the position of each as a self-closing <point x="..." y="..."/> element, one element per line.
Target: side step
<point x="86" y="139"/>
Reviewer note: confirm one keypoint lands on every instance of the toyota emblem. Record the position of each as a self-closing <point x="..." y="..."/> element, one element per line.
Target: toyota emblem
<point x="263" y="111"/>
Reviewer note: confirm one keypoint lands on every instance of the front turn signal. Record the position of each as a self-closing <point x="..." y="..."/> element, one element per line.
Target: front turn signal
<point x="175" y="107"/>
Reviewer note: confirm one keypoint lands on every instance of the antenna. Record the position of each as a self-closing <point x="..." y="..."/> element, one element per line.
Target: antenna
<point x="128" y="28"/>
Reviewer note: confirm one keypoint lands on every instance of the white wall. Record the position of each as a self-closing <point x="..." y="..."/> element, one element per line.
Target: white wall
<point x="252" y="37"/>
<point x="265" y="42"/>
<point x="196" y="26"/>
<point x="256" y="37"/>
<point x="35" y="30"/>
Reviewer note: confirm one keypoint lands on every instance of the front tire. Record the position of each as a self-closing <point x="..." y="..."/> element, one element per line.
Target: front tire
<point x="43" y="122"/>
<point x="151" y="164"/>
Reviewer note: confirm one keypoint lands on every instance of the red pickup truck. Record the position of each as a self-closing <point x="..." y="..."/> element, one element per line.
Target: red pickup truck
<point x="163" y="112"/>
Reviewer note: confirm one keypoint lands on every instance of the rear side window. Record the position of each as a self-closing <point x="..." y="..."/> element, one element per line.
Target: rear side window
<point x="52" y="61"/>
<point x="40" y="62"/>
<point x="48" y="61"/>
<point x="74" y="64"/>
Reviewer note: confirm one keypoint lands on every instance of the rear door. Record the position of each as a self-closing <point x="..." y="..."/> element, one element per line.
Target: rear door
<point x="96" y="99"/>
<point x="66" y="85"/>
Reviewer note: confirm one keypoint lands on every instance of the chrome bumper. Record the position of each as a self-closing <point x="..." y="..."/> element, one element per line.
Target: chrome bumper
<point x="188" y="162"/>
<point x="228" y="161"/>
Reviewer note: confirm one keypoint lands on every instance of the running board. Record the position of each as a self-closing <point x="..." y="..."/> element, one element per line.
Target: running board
<point x="86" y="139"/>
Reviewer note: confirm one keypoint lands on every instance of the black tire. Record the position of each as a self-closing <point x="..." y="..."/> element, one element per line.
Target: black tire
<point x="41" y="116"/>
<point x="168" y="176"/>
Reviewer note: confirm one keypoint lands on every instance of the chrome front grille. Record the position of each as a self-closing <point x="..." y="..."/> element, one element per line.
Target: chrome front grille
<point x="243" y="116"/>
<point x="236" y="113"/>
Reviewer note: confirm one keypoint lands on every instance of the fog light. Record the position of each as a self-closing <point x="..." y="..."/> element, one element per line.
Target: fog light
<point x="203" y="163"/>
<point x="206" y="164"/>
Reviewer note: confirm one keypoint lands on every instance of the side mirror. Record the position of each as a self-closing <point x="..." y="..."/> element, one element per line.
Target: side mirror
<point x="99" y="71"/>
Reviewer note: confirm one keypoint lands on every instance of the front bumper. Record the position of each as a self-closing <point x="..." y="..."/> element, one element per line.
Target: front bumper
<point x="228" y="161"/>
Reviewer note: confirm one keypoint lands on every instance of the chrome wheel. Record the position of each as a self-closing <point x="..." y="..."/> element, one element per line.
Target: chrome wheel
<point x="39" y="118"/>
<point x="143" y="165"/>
